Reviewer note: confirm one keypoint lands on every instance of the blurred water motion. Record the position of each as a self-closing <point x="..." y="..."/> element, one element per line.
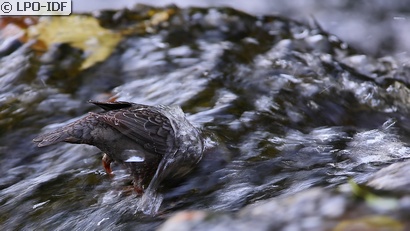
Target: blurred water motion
<point x="284" y="106"/>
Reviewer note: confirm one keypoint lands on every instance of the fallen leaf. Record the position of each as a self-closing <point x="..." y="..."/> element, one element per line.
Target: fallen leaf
<point x="79" y="31"/>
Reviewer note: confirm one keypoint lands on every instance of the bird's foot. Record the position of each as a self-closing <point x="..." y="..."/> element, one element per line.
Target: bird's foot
<point x="106" y="162"/>
<point x="138" y="190"/>
<point x="132" y="190"/>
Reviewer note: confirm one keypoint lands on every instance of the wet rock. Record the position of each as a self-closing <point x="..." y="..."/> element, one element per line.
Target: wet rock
<point x="60" y="67"/>
<point x="393" y="178"/>
<point x="313" y="209"/>
<point x="186" y="220"/>
<point x="376" y="223"/>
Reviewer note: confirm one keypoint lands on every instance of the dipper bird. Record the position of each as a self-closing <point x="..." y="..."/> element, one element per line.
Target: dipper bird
<point x="153" y="142"/>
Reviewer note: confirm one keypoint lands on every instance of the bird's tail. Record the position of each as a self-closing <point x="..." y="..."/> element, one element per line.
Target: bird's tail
<point x="51" y="138"/>
<point x="71" y="133"/>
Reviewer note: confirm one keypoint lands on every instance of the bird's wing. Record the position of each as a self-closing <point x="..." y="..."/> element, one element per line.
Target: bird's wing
<point x="144" y="125"/>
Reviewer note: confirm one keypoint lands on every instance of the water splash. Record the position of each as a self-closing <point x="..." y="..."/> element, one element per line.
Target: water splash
<point x="133" y="156"/>
<point x="151" y="200"/>
<point x="134" y="159"/>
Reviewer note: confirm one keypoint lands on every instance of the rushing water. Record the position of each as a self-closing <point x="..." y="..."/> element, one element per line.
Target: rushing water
<point x="283" y="107"/>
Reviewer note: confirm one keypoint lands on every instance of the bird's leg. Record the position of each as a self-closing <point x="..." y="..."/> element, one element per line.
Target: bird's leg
<point x="138" y="188"/>
<point x="106" y="162"/>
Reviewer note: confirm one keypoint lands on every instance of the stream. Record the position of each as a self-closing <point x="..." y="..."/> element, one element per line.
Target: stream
<point x="283" y="107"/>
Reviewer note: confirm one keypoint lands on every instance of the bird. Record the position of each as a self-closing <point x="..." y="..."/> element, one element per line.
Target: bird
<point x="154" y="142"/>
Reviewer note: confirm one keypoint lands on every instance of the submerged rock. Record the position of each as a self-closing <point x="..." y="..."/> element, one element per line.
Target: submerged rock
<point x="393" y="178"/>
<point x="315" y="209"/>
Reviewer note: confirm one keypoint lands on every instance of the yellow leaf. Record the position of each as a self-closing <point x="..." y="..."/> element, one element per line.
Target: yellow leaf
<point x="80" y="31"/>
<point x="370" y="223"/>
